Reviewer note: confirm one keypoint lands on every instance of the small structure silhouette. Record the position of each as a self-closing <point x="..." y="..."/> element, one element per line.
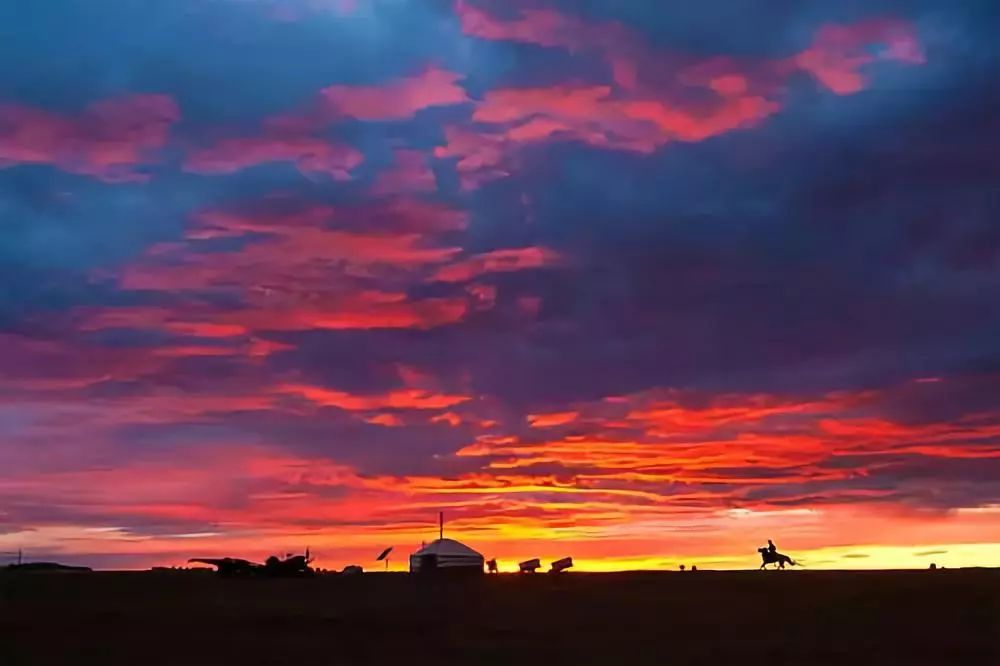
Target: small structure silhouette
<point x="19" y="556"/>
<point x="694" y="567"/>
<point x="530" y="566"/>
<point x="561" y="565"/>
<point x="384" y="556"/>
<point x="446" y="556"/>
<point x="491" y="566"/>
<point x="933" y="566"/>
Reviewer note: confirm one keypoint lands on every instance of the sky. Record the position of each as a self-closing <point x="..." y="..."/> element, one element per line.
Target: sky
<point x="643" y="283"/>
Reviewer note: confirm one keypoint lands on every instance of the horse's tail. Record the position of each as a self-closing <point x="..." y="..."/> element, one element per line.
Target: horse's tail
<point x="793" y="562"/>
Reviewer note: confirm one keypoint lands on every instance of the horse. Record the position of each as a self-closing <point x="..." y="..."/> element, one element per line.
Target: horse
<point x="769" y="557"/>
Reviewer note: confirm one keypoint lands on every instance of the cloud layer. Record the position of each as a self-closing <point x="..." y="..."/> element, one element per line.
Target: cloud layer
<point x="635" y="283"/>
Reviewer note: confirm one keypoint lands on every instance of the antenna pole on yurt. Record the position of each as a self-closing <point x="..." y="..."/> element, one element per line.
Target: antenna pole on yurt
<point x="441" y="524"/>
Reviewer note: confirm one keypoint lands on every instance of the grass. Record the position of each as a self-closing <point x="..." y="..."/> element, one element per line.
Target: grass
<point x="713" y="618"/>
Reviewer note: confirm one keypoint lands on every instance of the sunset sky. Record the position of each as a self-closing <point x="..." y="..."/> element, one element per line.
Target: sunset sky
<point x="640" y="282"/>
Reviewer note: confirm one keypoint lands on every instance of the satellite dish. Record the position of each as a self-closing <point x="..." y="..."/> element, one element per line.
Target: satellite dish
<point x="384" y="554"/>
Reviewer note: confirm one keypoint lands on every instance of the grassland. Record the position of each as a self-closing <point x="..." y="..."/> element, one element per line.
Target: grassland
<point x="801" y="617"/>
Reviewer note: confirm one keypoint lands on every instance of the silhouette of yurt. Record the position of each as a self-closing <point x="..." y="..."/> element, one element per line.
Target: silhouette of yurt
<point x="446" y="556"/>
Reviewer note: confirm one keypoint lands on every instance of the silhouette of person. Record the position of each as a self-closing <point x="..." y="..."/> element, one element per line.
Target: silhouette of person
<point x="771" y="548"/>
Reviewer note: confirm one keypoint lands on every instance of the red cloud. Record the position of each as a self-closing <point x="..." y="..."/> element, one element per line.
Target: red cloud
<point x="593" y="115"/>
<point x="397" y="99"/>
<point x="580" y="104"/>
<point x="552" y="419"/>
<point x="386" y="420"/>
<point x="305" y="244"/>
<point x="657" y="97"/>
<point x="414" y="377"/>
<point x="544" y="27"/>
<point x="840" y="52"/>
<point x="731" y="113"/>
<point x="498" y="261"/>
<point x="410" y="215"/>
<point x="234" y="223"/>
<point x="450" y="418"/>
<point x="739" y="441"/>
<point x="400" y="399"/>
<point x="109" y="140"/>
<point x="291" y="137"/>
<point x="976" y="436"/>
<point x="745" y="463"/>
<point x="481" y="156"/>
<point x="283" y="217"/>
<point x="359" y="311"/>
<point x="296" y="270"/>
<point x="261" y="266"/>
<point x="671" y="415"/>
<point x="47" y="365"/>
<point x="258" y="270"/>
<point x="309" y="154"/>
<point x="409" y="174"/>
<point x="835" y="58"/>
<point x="155" y="318"/>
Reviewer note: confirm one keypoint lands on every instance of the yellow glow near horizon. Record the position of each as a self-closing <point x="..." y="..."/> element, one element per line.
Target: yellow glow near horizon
<point x="844" y="537"/>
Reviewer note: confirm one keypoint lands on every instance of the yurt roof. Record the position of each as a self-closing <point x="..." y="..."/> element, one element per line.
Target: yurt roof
<point x="447" y="547"/>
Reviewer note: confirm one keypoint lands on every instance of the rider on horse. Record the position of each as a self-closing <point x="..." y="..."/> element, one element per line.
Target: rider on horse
<point x="770" y="555"/>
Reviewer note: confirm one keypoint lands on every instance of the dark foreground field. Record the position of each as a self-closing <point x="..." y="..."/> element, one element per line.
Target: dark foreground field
<point x="145" y="619"/>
